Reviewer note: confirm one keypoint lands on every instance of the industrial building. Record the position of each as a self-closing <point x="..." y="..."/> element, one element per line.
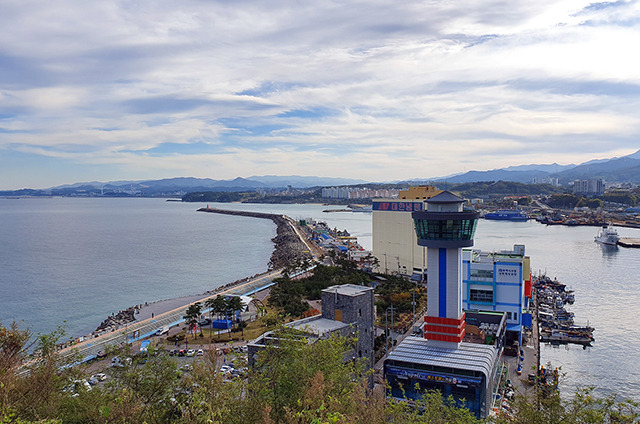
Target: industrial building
<point x="394" y="239"/>
<point x="459" y="354"/>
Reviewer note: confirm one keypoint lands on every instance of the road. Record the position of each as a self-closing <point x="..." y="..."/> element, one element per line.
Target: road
<point x="135" y="331"/>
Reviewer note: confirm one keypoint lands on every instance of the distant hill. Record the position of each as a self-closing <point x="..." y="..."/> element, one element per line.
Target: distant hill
<point x="180" y="185"/>
<point x="497" y="175"/>
<point x="624" y="169"/>
<point x="297" y="181"/>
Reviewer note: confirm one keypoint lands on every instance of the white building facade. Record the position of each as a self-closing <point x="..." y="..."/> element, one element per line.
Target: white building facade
<point x="395" y="244"/>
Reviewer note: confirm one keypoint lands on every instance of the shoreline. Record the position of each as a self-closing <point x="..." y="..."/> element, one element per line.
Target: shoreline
<point x="289" y="247"/>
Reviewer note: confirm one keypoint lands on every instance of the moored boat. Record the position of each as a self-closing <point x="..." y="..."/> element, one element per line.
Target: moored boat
<point x="607" y="236"/>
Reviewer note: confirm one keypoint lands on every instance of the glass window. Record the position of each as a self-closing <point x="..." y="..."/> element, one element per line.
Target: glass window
<point x="479" y="295"/>
<point x="481" y="273"/>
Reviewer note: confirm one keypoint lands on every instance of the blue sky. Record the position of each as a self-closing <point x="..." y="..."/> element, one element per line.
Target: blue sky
<point x="374" y="90"/>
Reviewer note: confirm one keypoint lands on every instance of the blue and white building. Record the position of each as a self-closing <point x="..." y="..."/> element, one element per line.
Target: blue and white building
<point x="498" y="282"/>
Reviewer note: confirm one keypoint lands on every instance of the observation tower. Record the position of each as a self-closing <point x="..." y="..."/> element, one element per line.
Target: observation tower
<point x="444" y="228"/>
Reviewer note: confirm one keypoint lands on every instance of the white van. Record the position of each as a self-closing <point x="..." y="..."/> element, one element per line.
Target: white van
<point x="163" y="330"/>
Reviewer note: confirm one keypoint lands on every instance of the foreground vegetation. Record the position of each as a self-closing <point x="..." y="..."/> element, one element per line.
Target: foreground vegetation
<point x="297" y="383"/>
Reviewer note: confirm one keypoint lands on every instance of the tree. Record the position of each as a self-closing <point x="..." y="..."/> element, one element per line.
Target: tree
<point x="235" y="304"/>
<point x="192" y="315"/>
<point x="219" y="306"/>
<point x="584" y="407"/>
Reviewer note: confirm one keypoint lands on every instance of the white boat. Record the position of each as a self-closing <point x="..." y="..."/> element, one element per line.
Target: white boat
<point x="608" y="235"/>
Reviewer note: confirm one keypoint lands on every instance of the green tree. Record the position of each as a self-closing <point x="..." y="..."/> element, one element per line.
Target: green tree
<point x="192" y="315"/>
<point x="235" y="304"/>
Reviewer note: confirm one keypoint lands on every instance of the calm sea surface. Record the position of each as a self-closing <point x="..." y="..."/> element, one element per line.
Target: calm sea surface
<point x="79" y="260"/>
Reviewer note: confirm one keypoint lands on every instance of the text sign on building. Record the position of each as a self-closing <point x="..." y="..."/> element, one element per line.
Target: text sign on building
<point x="508" y="273"/>
<point x="397" y="206"/>
<point x="438" y="378"/>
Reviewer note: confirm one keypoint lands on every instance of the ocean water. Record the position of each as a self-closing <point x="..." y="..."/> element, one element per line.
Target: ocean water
<point x="73" y="262"/>
<point x="79" y="260"/>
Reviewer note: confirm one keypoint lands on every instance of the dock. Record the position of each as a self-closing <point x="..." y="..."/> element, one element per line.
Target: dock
<point x="629" y="242"/>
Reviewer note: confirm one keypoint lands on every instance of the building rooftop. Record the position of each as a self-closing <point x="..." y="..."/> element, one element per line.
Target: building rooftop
<point x="469" y="356"/>
<point x="347" y="289"/>
<point x="445" y="197"/>
<point x="317" y="325"/>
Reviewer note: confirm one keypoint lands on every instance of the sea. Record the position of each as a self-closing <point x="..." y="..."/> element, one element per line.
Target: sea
<point x="71" y="262"/>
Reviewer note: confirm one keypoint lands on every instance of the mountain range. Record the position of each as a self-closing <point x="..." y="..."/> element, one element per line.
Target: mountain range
<point x="625" y="169"/>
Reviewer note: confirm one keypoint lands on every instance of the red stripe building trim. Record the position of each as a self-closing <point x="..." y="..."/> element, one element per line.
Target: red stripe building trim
<point x="445" y="329"/>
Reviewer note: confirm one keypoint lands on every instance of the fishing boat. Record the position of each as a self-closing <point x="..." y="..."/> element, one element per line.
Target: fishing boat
<point x="607" y="236"/>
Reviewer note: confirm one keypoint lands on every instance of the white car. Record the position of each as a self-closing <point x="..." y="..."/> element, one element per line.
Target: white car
<point x="117" y="362"/>
<point x="191" y="352"/>
<point x="226" y="369"/>
<point x="96" y="378"/>
<point x="200" y="352"/>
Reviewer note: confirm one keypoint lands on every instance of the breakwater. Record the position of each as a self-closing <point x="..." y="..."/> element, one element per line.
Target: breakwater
<point x="289" y="248"/>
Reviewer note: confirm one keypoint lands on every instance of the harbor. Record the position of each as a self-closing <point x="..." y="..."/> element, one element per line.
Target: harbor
<point x="556" y="324"/>
<point x="603" y="277"/>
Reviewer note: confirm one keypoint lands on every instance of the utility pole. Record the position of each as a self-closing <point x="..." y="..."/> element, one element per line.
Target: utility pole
<point x="388" y="338"/>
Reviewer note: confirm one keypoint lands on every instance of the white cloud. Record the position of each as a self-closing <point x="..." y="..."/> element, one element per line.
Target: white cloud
<point x="460" y="86"/>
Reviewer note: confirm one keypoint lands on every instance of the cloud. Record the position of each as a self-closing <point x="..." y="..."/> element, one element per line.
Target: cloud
<point x="371" y="89"/>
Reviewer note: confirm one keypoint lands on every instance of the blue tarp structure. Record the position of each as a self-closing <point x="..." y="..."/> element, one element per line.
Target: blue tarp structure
<point x="145" y="345"/>
<point x="222" y="323"/>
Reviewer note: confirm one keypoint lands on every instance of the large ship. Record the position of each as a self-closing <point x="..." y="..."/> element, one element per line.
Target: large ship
<point x="507" y="215"/>
<point x="607" y="235"/>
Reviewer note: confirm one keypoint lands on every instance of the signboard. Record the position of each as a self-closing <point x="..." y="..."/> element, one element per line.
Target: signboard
<point x="397" y="206"/>
<point x="508" y="273"/>
<point x="434" y="377"/>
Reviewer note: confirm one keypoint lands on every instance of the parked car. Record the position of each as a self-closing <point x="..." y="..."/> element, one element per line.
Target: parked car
<point x="191" y="352"/>
<point x="200" y="352"/>
<point x="96" y="378"/>
<point x="117" y="362"/>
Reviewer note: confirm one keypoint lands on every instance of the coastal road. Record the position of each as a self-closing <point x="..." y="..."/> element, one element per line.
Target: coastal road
<point x="89" y="348"/>
<point x="315" y="251"/>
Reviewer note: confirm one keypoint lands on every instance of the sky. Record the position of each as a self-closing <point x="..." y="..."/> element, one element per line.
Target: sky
<point x="372" y="90"/>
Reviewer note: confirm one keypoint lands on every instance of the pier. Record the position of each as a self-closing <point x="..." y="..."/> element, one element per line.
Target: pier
<point x="629" y="242"/>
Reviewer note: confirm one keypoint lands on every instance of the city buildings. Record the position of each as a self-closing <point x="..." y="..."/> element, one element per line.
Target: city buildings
<point x="589" y="187"/>
<point x="357" y="193"/>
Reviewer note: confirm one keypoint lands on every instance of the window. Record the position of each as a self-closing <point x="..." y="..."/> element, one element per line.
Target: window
<point x="481" y="273"/>
<point x="479" y="295"/>
<point x="445" y="229"/>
